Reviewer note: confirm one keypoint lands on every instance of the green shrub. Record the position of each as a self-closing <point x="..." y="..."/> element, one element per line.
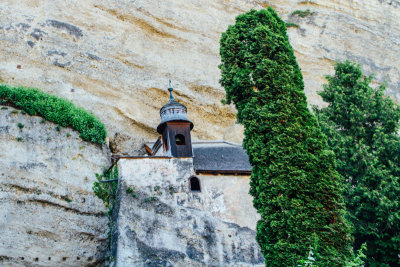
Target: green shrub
<point x="360" y="259"/>
<point x="302" y="13"/>
<point x="296" y="188"/>
<point x="56" y="110"/>
<point x="291" y="24"/>
<point x="362" y="126"/>
<point x="67" y="199"/>
<point x="132" y="192"/>
<point x="106" y="191"/>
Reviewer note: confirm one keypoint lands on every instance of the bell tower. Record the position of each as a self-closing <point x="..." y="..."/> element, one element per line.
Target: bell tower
<point x="175" y="129"/>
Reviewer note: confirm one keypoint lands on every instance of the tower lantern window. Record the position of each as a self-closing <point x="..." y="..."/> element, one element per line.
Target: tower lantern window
<point x="180" y="140"/>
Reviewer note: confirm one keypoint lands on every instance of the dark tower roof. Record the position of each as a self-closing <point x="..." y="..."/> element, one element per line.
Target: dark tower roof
<point x="172" y="111"/>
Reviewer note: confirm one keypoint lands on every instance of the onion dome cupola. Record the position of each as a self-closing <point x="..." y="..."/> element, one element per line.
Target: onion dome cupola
<point x="175" y="128"/>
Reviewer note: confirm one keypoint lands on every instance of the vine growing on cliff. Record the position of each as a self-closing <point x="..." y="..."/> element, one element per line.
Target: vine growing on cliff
<point x="54" y="109"/>
<point x="106" y="191"/>
<point x="105" y="188"/>
<point x="296" y="188"/>
<point x="362" y="127"/>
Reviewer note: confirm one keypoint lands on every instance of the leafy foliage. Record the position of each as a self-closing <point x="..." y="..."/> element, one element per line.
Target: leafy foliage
<point x="296" y="188"/>
<point x="54" y="109"/>
<point x="357" y="260"/>
<point x="106" y="191"/>
<point x="302" y="13"/>
<point x="362" y="128"/>
<point x="291" y="24"/>
<point x="360" y="259"/>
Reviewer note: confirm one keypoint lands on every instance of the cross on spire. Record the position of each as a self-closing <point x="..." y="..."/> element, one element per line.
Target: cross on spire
<point x="170" y="89"/>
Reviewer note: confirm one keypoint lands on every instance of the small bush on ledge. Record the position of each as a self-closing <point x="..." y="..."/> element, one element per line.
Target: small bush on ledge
<point x="291" y="25"/>
<point x="54" y="109"/>
<point x="302" y="13"/>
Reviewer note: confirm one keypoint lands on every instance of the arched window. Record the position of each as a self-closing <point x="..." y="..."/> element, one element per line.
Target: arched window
<point x="194" y="183"/>
<point x="180" y="140"/>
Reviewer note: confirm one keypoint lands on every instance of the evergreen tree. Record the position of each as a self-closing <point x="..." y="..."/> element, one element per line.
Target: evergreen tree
<point x="296" y="188"/>
<point x="362" y="128"/>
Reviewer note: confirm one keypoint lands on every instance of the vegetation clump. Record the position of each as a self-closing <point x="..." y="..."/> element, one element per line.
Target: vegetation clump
<point x="55" y="109"/>
<point x="291" y="25"/>
<point x="302" y="13"/>
<point x="105" y="188"/>
<point x="296" y="188"/>
<point x="106" y="191"/>
<point x="131" y="190"/>
<point x="362" y="126"/>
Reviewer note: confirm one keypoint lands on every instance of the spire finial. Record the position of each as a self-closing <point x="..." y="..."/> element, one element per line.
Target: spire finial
<point x="170" y="89"/>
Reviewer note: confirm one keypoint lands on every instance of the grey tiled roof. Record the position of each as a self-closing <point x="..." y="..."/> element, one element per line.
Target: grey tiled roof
<point x="220" y="156"/>
<point x="216" y="157"/>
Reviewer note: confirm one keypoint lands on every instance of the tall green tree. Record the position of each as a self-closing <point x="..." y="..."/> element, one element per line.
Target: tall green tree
<point x="296" y="188"/>
<point x="362" y="127"/>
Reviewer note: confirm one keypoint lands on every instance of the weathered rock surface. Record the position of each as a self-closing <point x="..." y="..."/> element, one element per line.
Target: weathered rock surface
<point x="49" y="215"/>
<point x="160" y="222"/>
<point x="115" y="57"/>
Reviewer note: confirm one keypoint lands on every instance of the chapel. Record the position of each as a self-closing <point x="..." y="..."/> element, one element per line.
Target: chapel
<point x="186" y="203"/>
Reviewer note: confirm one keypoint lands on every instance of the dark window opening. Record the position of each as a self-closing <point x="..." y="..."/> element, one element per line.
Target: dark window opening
<point x="180" y="140"/>
<point x="194" y="184"/>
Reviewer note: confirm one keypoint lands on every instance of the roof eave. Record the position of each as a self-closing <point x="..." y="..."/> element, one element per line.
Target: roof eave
<point x="226" y="172"/>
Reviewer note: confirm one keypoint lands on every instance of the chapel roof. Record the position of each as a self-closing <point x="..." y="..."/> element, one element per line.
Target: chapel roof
<point x="218" y="157"/>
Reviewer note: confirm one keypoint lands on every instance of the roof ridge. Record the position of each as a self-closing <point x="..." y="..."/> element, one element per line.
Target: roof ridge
<point x="215" y="141"/>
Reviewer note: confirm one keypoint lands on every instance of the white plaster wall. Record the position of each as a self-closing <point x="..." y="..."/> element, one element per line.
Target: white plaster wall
<point x="159" y="222"/>
<point x="227" y="197"/>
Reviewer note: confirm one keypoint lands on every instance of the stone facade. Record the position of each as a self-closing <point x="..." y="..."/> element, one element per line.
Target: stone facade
<point x="160" y="222"/>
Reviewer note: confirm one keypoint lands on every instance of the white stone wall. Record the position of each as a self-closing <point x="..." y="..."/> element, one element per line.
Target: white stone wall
<point x="159" y="222"/>
<point x="227" y="197"/>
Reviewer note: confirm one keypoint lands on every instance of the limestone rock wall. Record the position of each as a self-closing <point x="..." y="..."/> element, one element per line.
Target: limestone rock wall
<point x="49" y="215"/>
<point x="160" y="222"/>
<point x="115" y="57"/>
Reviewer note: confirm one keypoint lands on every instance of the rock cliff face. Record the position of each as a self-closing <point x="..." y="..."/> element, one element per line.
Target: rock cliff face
<point x="49" y="215"/>
<point x="115" y="57"/>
